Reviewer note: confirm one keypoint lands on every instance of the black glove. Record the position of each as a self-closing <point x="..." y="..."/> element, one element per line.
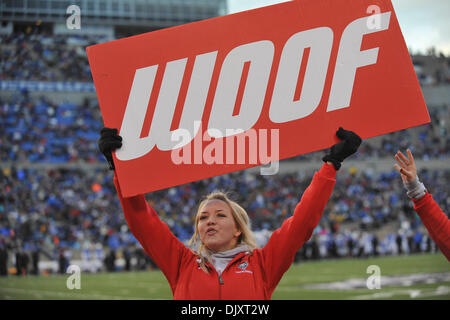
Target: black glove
<point x="108" y="142"/>
<point x="348" y="146"/>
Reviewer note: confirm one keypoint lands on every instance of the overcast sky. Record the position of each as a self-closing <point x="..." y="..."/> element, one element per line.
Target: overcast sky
<point x="424" y="23"/>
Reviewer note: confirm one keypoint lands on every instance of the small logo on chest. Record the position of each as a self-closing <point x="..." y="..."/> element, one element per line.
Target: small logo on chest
<point x="242" y="268"/>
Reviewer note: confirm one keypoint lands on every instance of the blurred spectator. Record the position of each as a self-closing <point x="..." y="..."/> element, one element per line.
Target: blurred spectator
<point x="127" y="257"/>
<point x="141" y="260"/>
<point x="22" y="261"/>
<point x="35" y="260"/>
<point x="110" y="261"/>
<point x="3" y="258"/>
<point x="63" y="261"/>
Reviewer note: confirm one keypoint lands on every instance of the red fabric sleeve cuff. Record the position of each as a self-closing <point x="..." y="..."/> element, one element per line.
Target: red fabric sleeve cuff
<point x="328" y="171"/>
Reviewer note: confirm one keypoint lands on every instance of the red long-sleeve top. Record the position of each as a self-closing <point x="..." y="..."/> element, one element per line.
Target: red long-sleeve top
<point x="249" y="275"/>
<point x="436" y="222"/>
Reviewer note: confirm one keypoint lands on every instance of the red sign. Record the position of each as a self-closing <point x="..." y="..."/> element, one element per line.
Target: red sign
<point x="237" y="91"/>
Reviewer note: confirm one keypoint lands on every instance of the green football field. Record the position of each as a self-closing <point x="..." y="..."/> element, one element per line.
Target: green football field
<point x="424" y="276"/>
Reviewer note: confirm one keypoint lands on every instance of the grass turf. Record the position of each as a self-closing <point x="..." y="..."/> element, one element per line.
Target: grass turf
<point x="153" y="285"/>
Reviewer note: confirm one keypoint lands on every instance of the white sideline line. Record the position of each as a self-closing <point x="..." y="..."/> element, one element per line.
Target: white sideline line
<point x="386" y="281"/>
<point x="414" y="294"/>
<point x="84" y="296"/>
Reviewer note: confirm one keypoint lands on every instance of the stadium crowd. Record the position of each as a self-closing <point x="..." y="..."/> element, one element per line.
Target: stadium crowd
<point x="51" y="212"/>
<point x="55" y="211"/>
<point x="44" y="132"/>
<point x="38" y="56"/>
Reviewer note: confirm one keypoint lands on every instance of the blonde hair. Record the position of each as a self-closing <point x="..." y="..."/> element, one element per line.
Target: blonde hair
<point x="240" y="217"/>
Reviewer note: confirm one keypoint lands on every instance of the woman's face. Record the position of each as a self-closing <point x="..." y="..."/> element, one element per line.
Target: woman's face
<point x="216" y="226"/>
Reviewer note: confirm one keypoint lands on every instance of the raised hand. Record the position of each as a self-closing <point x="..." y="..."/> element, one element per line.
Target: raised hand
<point x="108" y="142"/>
<point x="406" y="166"/>
<point x="348" y="146"/>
